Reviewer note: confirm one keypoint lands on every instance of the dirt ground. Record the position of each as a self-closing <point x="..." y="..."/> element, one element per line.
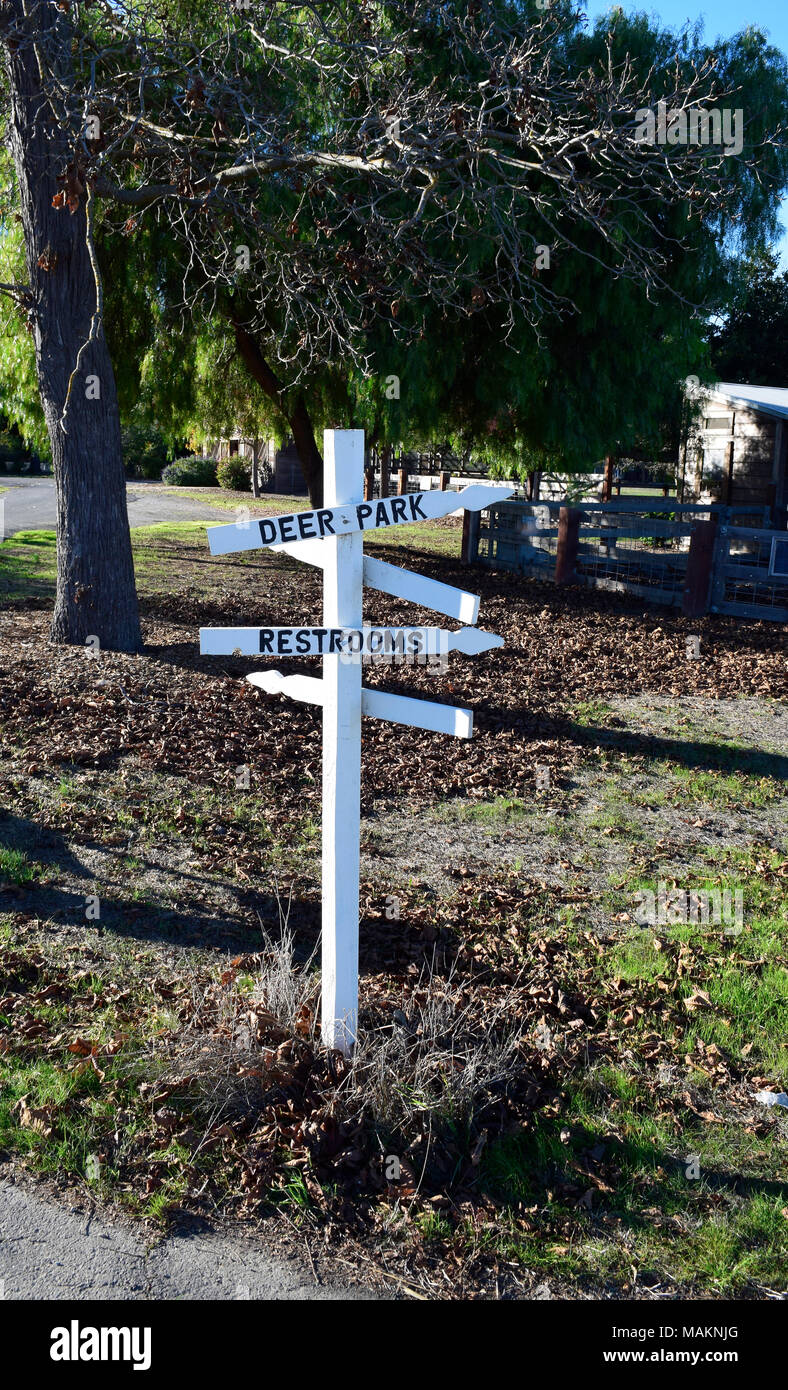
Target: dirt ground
<point x="605" y="761"/>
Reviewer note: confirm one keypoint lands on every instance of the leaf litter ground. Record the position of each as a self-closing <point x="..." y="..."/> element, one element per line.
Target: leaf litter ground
<point x="540" y="1069"/>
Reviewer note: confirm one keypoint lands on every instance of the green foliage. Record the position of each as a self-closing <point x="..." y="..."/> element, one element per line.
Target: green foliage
<point x="190" y="472"/>
<point x="12" y="449"/>
<point x="19" y="397"/>
<point x="225" y="399"/>
<point x="234" y="474"/>
<point x="751" y="345"/>
<point x="602" y="373"/>
<point x="144" y="451"/>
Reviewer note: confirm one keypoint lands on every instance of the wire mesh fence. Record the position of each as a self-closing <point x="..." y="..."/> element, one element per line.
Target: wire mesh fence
<point x="642" y="550"/>
<point x="747" y="582"/>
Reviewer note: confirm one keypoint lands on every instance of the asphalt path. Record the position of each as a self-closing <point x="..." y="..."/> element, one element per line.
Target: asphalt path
<point x="30" y="505"/>
<point x="49" y="1251"/>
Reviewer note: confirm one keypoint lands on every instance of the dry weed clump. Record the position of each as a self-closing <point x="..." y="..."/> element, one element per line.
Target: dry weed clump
<point x="249" y="1067"/>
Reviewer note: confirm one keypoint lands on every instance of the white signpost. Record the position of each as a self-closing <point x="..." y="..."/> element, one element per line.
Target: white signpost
<point x="332" y="538"/>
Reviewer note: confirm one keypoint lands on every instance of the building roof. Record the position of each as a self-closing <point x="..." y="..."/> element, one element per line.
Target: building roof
<point x="769" y="400"/>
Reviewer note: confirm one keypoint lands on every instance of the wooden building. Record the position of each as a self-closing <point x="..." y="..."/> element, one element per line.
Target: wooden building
<point x="736" y="450"/>
<point x="279" y="470"/>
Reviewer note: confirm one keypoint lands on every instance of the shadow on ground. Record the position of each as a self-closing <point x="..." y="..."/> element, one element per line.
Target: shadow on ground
<point x="65" y="886"/>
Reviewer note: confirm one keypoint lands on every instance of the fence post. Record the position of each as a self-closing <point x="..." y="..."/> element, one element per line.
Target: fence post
<point x="385" y="469"/>
<point x="729" y="458"/>
<point x="402" y="483"/>
<point x="700" y="563"/>
<point x="369" y="483"/>
<point x="445" y="480"/>
<point x="568" y="540"/>
<point x="470" y="538"/>
<point x="607" y="485"/>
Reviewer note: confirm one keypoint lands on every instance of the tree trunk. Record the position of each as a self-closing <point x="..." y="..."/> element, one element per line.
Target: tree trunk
<point x="309" y="455"/>
<point x="295" y="412"/>
<point x="255" y="467"/>
<point x="95" y="595"/>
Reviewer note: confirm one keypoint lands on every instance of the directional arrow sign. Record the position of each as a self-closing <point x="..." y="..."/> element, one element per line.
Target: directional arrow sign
<point x="416" y="588"/>
<point x="418" y="714"/>
<point x="354" y="516"/>
<point x="307" y="689"/>
<point x="338" y="641"/>
<point x="377" y="704"/>
<point x="391" y="579"/>
<point x="332" y="539"/>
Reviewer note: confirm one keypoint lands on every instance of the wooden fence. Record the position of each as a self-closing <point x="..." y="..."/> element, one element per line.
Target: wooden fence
<point x="743" y="581"/>
<point x="690" y="556"/>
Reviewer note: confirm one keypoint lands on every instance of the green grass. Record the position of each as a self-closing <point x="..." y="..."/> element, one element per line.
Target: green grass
<point x="28" y="560"/>
<point x="435" y="538"/>
<point x="729" y="789"/>
<point x="503" y="810"/>
<point x="744" y="976"/>
<point x="646" y="492"/>
<point x="28" y="565"/>
<point x="59" y="1111"/>
<point x="659" y="785"/>
<point x="614" y="818"/>
<point x="433" y="1226"/>
<point x="41" y="539"/>
<point x="622" y="1132"/>
<point x="270" y="504"/>
<point x="422" y="537"/>
<point x="590" y="712"/>
<point x="717" y="1233"/>
<point x="596" y="1185"/>
<point x="73" y="1110"/>
<point x="15" y="867"/>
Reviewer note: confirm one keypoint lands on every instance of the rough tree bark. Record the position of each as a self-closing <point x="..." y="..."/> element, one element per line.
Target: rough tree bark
<point x="96" y="595"/>
<point x="295" y="411"/>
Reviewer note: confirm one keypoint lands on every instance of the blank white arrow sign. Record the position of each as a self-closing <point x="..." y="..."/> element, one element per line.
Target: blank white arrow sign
<point x="376" y="704"/>
<point x="401" y="583"/>
<point x="416" y="588"/>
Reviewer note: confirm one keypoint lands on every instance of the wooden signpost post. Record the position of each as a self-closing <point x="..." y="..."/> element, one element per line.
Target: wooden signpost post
<point x="332" y="538"/>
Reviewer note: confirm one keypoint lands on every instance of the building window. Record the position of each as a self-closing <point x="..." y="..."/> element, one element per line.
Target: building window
<point x="717" y="422"/>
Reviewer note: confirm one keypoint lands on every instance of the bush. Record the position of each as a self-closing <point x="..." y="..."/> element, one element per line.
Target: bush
<point x="12" y="450"/>
<point x="144" y="452"/>
<point x="190" y="472"/>
<point x="235" y="474"/>
<point x="15" y="457"/>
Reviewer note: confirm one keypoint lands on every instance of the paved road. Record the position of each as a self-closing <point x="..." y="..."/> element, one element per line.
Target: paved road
<point x="50" y="1251"/>
<point x="29" y="505"/>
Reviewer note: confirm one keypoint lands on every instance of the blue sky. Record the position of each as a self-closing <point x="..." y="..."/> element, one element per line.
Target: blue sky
<point x="721" y="18"/>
